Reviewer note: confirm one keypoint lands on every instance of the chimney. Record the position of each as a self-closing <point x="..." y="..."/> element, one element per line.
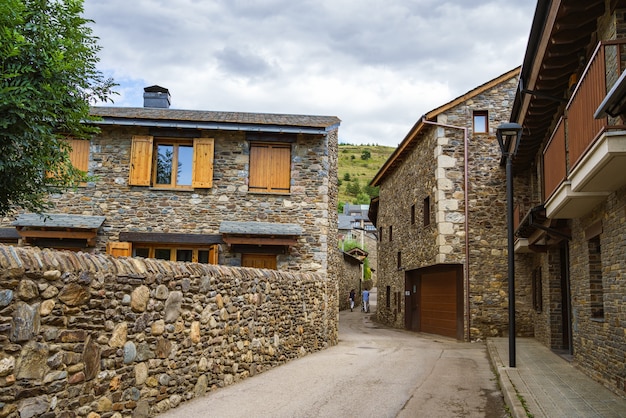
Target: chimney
<point x="157" y="97"/>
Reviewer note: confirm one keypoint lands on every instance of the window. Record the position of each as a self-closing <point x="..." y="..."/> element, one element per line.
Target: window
<point x="388" y="297"/>
<point x="380" y="234"/>
<point x="270" y="167"/>
<point x="206" y="255"/>
<point x="171" y="163"/>
<point x="595" y="279"/>
<point x="412" y="214"/>
<point x="427" y="211"/>
<point x="481" y="124"/>
<point x="537" y="290"/>
<point x="390" y="233"/>
<point x="399" y="260"/>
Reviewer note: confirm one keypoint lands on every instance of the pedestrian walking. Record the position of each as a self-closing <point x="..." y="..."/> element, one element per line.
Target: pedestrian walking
<point x="366" y="300"/>
<point x="351" y="299"/>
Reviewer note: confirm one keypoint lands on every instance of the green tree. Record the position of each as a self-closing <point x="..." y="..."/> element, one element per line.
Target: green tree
<point x="48" y="78"/>
<point x="346" y="176"/>
<point x="353" y="188"/>
<point x="366" y="155"/>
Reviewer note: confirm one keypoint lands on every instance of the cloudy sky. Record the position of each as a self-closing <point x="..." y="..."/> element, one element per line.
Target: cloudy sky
<point x="378" y="65"/>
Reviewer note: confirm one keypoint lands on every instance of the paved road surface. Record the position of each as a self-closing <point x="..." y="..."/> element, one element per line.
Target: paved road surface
<point x="374" y="371"/>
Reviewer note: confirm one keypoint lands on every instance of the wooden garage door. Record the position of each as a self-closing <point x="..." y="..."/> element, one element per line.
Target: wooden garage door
<point x="260" y="261"/>
<point x="438" y="303"/>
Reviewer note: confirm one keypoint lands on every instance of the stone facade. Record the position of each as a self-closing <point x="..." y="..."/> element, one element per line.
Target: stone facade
<point x="350" y="278"/>
<point x="90" y="335"/>
<point x="430" y="179"/>
<point x="578" y="307"/>
<point x="310" y="202"/>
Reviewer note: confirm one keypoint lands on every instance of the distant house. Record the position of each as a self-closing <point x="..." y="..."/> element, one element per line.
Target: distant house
<point x="240" y="189"/>
<point x="354" y="224"/>
<point x="570" y="177"/>
<point x="441" y="220"/>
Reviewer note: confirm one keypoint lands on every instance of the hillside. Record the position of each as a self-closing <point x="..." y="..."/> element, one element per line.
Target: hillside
<point x="354" y="168"/>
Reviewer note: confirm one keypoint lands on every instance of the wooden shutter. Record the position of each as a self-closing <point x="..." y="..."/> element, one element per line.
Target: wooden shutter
<point x="280" y="169"/>
<point x="213" y="259"/>
<point x="140" y="161"/>
<point x="79" y="155"/>
<point x="270" y="168"/>
<point x="119" y="249"/>
<point x="202" y="162"/>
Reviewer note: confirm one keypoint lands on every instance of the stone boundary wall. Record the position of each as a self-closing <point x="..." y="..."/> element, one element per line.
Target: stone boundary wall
<point x="86" y="335"/>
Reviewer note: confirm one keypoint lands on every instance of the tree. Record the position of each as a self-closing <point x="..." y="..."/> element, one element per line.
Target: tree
<point x="353" y="188"/>
<point x="366" y="155"/>
<point x="48" y="78"/>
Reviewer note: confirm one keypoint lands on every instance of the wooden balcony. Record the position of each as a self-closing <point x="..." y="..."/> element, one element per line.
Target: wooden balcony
<point x="584" y="159"/>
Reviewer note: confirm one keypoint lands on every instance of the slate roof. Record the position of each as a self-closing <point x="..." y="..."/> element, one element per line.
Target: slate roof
<point x="217" y="120"/>
<point x="260" y="228"/>
<point x="49" y="220"/>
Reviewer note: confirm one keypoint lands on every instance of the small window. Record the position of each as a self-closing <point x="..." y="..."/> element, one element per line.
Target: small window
<point x="270" y="168"/>
<point x="537" y="295"/>
<point x="481" y="124"/>
<point x="390" y="233"/>
<point x="426" y="211"/>
<point x="399" y="260"/>
<point x="412" y="214"/>
<point x="596" y="288"/>
<point x="380" y="234"/>
<point x="388" y="297"/>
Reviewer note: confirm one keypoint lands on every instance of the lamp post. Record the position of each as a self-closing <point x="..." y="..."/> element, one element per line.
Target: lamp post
<point x="509" y="135"/>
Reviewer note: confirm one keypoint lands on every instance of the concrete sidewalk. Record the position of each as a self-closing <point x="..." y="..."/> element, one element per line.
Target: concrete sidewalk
<point x="548" y="385"/>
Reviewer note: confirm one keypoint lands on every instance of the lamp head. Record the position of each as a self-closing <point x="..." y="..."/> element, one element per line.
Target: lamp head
<point x="509" y="133"/>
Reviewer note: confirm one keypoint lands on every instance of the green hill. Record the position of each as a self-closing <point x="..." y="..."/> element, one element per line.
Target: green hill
<point x="357" y="165"/>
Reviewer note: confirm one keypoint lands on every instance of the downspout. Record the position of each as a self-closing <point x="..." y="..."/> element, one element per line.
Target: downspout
<point x="466" y="202"/>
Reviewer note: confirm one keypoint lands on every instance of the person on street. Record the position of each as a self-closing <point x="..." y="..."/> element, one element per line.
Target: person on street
<point x="351" y="299"/>
<point x="366" y="300"/>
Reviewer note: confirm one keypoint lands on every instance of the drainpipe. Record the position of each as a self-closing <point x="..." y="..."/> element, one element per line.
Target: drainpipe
<point x="466" y="201"/>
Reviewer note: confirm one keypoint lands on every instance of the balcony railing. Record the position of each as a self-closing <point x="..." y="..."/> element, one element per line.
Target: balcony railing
<point x="577" y="130"/>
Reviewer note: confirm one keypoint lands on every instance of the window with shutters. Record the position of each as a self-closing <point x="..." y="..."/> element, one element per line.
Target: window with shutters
<point x="205" y="255"/>
<point x="79" y="155"/>
<point x="171" y="163"/>
<point x="270" y="167"/>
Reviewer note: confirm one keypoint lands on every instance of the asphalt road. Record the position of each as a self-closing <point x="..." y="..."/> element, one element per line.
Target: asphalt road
<point x="374" y="371"/>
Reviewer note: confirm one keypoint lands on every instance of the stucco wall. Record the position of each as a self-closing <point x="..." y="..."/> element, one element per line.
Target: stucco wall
<point x="84" y="333"/>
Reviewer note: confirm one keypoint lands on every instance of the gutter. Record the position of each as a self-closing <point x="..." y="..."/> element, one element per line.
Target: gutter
<point x="215" y="126"/>
<point x="466" y="202"/>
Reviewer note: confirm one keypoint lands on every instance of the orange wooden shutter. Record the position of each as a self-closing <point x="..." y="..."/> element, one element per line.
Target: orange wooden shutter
<point x="213" y="259"/>
<point x="270" y="168"/>
<point x="280" y="169"/>
<point x="202" y="162"/>
<point x="140" y="161"/>
<point x="119" y="249"/>
<point x="79" y="155"/>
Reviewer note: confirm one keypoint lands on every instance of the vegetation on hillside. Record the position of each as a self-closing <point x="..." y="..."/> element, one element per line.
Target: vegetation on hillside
<point x="358" y="164"/>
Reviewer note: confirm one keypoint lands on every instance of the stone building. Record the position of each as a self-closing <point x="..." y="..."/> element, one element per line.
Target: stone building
<point x="441" y="219"/>
<point x="570" y="183"/>
<point x="238" y="189"/>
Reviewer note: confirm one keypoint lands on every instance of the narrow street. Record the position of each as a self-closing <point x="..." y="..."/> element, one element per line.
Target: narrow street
<point x="374" y="371"/>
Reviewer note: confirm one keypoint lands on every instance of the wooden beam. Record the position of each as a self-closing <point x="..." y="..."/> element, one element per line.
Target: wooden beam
<point x="29" y="233"/>
<point x="232" y="240"/>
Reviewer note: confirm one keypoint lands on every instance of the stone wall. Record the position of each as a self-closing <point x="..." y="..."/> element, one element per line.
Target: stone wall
<point x="349" y="278"/>
<point x="97" y="336"/>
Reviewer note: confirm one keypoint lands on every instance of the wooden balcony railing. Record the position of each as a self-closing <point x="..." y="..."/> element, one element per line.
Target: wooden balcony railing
<point x="582" y="128"/>
<point x="555" y="160"/>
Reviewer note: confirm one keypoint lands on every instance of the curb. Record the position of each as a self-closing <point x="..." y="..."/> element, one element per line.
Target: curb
<point x="509" y="392"/>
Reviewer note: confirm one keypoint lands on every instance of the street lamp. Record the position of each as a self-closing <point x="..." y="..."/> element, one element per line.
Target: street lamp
<point x="509" y="135"/>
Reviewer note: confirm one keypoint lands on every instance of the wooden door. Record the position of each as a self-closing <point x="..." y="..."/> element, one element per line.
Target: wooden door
<point x="260" y="261"/>
<point x="440" y="302"/>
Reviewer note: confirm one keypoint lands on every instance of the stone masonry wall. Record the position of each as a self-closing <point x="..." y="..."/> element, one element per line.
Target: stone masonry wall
<point x="87" y="335"/>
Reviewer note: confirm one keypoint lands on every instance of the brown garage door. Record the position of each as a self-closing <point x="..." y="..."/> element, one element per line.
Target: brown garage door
<point x="438" y="303"/>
